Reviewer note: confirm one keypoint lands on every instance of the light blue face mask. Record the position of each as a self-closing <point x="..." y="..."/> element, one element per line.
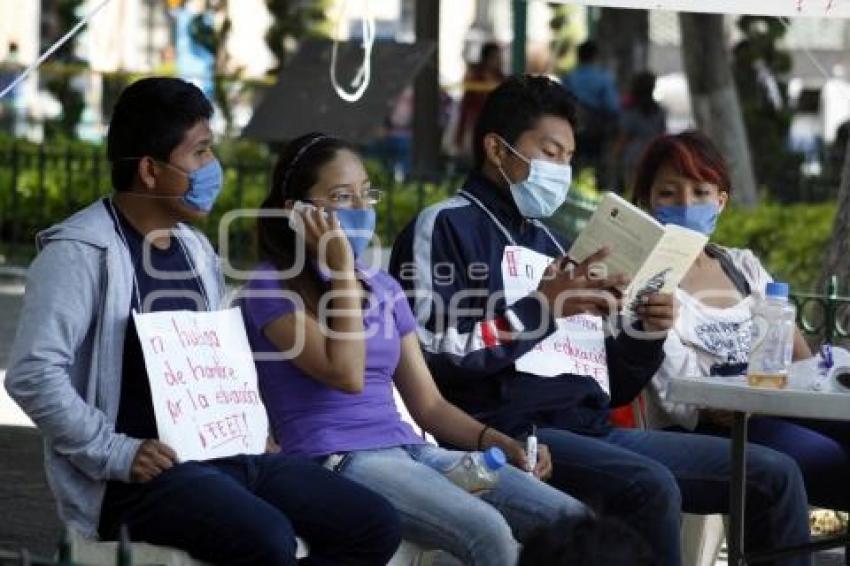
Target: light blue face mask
<point x="545" y="189"/>
<point x="358" y="225"/>
<point x="697" y="217"/>
<point x="204" y="185"/>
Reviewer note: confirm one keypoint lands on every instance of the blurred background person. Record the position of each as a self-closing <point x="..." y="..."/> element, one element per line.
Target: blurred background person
<point x="595" y="90"/>
<point x="479" y="80"/>
<point x="642" y="120"/>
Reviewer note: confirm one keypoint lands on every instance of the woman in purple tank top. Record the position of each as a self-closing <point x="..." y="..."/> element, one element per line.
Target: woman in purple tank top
<point x="334" y="338"/>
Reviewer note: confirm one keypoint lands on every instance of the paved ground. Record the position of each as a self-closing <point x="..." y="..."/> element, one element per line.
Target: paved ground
<point x="10" y="306"/>
<point x="11" y="292"/>
<point x="27" y="512"/>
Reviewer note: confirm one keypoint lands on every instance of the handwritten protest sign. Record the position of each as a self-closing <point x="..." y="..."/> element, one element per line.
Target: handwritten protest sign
<point x="203" y="383"/>
<point x="577" y="347"/>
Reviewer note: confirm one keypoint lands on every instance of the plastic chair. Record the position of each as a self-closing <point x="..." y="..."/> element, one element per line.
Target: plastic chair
<point x="702" y="535"/>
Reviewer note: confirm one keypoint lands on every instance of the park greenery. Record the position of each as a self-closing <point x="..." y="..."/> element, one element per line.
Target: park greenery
<point x="41" y="184"/>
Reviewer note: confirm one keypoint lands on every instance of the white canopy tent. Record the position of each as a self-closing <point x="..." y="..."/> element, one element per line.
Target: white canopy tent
<point x="782" y="8"/>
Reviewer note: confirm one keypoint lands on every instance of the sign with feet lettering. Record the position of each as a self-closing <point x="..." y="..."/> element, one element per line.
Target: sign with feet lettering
<point x="203" y="383"/>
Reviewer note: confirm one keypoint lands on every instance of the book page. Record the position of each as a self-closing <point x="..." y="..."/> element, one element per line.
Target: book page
<point x="667" y="264"/>
<point x="631" y="234"/>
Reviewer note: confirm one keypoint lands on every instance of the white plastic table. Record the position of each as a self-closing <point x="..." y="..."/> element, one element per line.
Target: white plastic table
<point x="797" y="400"/>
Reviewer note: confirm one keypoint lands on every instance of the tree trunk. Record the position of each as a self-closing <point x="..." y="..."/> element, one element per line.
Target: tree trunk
<point x="623" y="39"/>
<point x="222" y="67"/>
<point x="837" y="257"/>
<point x="714" y="100"/>
<point x="426" y="98"/>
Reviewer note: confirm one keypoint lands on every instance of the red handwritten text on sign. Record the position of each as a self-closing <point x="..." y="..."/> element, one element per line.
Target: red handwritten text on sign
<point x="203" y="383"/>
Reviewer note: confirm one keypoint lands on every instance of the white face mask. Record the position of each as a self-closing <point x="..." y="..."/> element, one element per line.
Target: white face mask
<point x="545" y="189"/>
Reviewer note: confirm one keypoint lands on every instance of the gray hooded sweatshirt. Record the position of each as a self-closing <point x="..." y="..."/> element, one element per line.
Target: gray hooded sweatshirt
<point x="66" y="362"/>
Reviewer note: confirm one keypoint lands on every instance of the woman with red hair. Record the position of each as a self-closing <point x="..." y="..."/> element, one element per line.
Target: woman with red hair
<point x="683" y="179"/>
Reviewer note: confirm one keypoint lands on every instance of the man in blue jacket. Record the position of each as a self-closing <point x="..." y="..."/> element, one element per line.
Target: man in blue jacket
<point x="77" y="367"/>
<point x="453" y="260"/>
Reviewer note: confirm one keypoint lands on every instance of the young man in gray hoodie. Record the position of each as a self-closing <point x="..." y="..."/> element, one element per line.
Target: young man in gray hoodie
<point x="77" y="368"/>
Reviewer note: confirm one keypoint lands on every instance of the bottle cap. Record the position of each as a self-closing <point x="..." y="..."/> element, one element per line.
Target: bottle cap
<point x="777" y="289"/>
<point x="494" y="458"/>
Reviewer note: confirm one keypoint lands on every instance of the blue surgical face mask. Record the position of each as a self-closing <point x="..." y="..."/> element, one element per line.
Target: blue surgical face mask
<point x="545" y="189"/>
<point x="358" y="225"/>
<point x="698" y="217"/>
<point x="204" y="186"/>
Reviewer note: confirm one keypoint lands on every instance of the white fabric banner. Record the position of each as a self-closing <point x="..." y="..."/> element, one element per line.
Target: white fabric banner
<point x="203" y="383"/>
<point x="785" y="8"/>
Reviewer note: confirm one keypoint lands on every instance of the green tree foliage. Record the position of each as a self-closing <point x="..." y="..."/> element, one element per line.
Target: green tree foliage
<point x="65" y="15"/>
<point x="211" y="31"/>
<point x="789" y="239"/>
<point x="565" y="26"/>
<point x="52" y="181"/>
<point x="761" y="67"/>
<point x="294" y="20"/>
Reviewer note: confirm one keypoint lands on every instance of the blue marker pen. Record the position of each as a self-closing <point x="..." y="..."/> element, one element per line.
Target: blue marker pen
<point x="826" y="356"/>
<point x="825" y="364"/>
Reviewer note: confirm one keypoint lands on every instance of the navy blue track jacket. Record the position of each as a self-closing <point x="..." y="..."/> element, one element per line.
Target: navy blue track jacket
<point x="451" y="255"/>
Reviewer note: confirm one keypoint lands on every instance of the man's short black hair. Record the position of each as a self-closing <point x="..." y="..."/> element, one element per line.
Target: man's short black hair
<point x="150" y="119"/>
<point x="516" y="105"/>
<point x="587" y="52"/>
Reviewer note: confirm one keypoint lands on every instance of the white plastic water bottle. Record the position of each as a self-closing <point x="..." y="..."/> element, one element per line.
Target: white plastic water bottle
<point x="477" y="471"/>
<point x="772" y="344"/>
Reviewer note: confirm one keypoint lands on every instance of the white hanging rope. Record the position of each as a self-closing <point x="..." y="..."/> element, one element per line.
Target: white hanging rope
<point x="361" y="80"/>
<point x="53" y="48"/>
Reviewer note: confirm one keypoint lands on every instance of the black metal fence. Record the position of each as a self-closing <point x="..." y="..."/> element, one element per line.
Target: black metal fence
<point x="40" y="185"/>
<point x="825" y="317"/>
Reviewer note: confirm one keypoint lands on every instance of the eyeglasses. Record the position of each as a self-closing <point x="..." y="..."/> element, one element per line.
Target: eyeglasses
<point x="345" y="199"/>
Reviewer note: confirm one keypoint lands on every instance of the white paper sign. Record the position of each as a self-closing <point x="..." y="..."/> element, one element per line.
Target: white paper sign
<point x="779" y="8"/>
<point x="577" y="347"/>
<point x="203" y="383"/>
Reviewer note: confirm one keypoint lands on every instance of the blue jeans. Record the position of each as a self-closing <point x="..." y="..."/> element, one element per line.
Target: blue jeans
<point x="479" y="531"/>
<point x="647" y="478"/>
<point x="820" y="448"/>
<point x="248" y="509"/>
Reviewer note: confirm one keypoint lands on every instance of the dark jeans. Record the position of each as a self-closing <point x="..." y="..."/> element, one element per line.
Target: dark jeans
<point x="820" y="448"/>
<point x="248" y="509"/>
<point x="647" y="478"/>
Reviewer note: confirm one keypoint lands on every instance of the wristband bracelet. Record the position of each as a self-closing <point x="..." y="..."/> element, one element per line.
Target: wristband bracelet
<point x="481" y="436"/>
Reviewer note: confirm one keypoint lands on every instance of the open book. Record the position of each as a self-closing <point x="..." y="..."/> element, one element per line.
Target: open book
<point x="655" y="256"/>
